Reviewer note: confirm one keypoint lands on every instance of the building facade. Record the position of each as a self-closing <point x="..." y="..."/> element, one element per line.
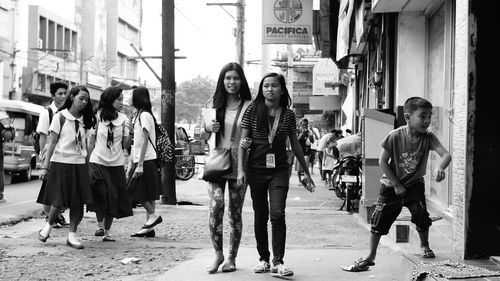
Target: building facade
<point x="426" y="48"/>
<point x="77" y="42"/>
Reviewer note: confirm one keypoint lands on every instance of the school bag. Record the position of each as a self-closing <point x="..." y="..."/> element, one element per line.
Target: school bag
<point x="164" y="148"/>
<point x="36" y="136"/>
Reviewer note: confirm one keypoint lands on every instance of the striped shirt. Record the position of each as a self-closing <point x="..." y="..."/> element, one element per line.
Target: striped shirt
<point x="260" y="143"/>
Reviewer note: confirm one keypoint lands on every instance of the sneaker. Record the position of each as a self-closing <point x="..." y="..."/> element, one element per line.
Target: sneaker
<point x="261" y="267"/>
<point x="280" y="270"/>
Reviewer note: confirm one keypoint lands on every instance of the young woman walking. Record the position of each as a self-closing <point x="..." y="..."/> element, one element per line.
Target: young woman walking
<point x="143" y="178"/>
<point x="107" y="172"/>
<point x="68" y="180"/>
<point x="268" y="122"/>
<point x="231" y="98"/>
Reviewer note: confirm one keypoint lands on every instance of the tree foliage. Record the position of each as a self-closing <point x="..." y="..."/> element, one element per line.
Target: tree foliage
<point x="191" y="96"/>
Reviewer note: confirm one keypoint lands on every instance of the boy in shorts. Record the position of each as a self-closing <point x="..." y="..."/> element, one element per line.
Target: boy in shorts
<point x="403" y="160"/>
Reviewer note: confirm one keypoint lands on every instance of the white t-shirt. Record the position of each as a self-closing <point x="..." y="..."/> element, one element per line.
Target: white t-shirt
<point x="322" y="141"/>
<point x="146" y="122"/>
<point x="102" y="154"/>
<point x="43" y="120"/>
<point x="71" y="146"/>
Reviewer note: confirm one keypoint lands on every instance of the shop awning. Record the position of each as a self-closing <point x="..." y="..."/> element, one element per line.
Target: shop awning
<point x="396" y="6"/>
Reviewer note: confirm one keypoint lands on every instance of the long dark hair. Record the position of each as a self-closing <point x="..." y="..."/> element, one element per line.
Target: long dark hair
<point x="108" y="97"/>
<point x="87" y="113"/>
<point x="141" y="101"/>
<point x="220" y="95"/>
<point x="260" y="105"/>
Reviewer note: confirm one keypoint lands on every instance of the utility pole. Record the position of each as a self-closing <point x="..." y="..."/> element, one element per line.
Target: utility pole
<point x="240" y="27"/>
<point x="168" y="95"/>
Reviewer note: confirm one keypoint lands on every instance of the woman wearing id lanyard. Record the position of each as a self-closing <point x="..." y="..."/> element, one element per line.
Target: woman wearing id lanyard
<point x="68" y="181"/>
<point x="266" y="125"/>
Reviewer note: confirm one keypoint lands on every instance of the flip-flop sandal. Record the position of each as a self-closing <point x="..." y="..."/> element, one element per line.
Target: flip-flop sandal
<point x="428" y="254"/>
<point x="354" y="268"/>
<point x="363" y="262"/>
<point x="108" y="239"/>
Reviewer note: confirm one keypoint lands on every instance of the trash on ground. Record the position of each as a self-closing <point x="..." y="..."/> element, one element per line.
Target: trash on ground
<point x="130" y="260"/>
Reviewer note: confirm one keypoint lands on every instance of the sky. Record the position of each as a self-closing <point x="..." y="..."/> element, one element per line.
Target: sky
<point x="204" y="34"/>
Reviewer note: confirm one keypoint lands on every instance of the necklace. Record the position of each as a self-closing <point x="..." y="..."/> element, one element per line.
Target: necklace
<point x="234" y="105"/>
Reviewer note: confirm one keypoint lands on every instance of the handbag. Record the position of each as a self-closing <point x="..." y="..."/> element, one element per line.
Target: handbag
<point x="218" y="162"/>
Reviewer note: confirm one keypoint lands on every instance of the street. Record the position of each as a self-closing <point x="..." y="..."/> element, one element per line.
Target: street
<point x="316" y="232"/>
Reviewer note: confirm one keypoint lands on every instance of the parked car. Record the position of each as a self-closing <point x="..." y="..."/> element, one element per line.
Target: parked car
<point x="20" y="158"/>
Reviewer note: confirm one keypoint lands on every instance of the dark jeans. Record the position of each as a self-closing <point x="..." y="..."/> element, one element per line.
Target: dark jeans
<point x="275" y="183"/>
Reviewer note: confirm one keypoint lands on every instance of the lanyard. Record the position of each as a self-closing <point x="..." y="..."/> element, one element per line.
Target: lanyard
<point x="274" y="129"/>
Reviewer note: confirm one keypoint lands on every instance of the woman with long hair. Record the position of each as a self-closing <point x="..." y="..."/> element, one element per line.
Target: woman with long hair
<point x="107" y="172"/>
<point x="269" y="122"/>
<point x="144" y="180"/>
<point x="67" y="183"/>
<point x="231" y="98"/>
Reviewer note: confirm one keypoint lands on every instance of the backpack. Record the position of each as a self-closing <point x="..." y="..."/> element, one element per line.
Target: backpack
<point x="36" y="136"/>
<point x="164" y="148"/>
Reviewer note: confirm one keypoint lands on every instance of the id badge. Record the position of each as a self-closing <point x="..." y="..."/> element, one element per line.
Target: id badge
<point x="270" y="160"/>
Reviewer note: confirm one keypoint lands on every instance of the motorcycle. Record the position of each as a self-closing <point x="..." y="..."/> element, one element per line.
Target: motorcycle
<point x="347" y="181"/>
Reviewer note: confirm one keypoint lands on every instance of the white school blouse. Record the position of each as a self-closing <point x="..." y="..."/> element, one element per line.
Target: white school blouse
<point x="43" y="120"/>
<point x="112" y="156"/>
<point x="66" y="150"/>
<point x="146" y="122"/>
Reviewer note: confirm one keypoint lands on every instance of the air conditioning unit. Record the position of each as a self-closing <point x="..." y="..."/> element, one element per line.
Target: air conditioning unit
<point x="39" y="43"/>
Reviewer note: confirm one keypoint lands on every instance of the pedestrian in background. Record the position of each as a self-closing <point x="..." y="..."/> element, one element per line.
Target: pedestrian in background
<point x="314" y="145"/>
<point x="231" y="98"/>
<point x="65" y="167"/>
<point x="329" y="160"/>
<point x="143" y="178"/>
<point x="58" y="92"/>
<point x="403" y="160"/>
<point x="268" y="122"/>
<point x="107" y="172"/>
<point x="320" y="150"/>
<point x="6" y="134"/>
<point x="305" y="140"/>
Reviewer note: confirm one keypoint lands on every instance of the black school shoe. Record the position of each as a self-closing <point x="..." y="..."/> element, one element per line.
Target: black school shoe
<point x="60" y="222"/>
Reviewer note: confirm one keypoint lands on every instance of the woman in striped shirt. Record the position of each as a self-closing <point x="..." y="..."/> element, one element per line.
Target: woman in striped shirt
<point x="266" y="125"/>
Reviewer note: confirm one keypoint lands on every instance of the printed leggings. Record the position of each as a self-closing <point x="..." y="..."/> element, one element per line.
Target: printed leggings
<point x="216" y="192"/>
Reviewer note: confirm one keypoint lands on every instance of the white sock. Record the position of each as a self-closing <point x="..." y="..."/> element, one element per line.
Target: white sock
<point x="152" y="218"/>
<point x="72" y="238"/>
<point x="46" y="229"/>
<point x="106" y="232"/>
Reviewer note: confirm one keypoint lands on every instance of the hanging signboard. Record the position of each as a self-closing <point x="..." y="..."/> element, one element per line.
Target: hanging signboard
<point x="287" y="21"/>
<point x="345" y="13"/>
<point x="325" y="73"/>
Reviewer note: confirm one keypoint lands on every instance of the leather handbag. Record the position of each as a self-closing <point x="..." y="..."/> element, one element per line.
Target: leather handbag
<point x="218" y="161"/>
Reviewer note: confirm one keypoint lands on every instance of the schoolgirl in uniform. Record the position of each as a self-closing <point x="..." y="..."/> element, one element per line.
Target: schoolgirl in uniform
<point x="67" y="182"/>
<point x="143" y="177"/>
<point x="107" y="159"/>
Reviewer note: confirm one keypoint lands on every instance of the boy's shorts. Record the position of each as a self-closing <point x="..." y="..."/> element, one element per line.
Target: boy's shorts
<point x="389" y="206"/>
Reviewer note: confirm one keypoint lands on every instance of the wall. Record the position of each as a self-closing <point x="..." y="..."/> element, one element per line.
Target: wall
<point x="410" y="57"/>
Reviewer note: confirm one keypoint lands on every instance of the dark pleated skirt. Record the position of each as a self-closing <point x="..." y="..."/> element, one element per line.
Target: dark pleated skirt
<point x="146" y="187"/>
<point x="109" y="191"/>
<point x="67" y="186"/>
<point x="43" y="197"/>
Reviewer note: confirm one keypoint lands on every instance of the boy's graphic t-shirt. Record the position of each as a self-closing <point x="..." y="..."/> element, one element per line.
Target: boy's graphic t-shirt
<point x="408" y="158"/>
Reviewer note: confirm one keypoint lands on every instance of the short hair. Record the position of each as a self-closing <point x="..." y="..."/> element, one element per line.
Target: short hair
<point x="57" y="85"/>
<point x="414" y="103"/>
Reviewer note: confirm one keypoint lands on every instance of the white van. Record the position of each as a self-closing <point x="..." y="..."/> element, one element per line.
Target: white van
<point x="20" y="158"/>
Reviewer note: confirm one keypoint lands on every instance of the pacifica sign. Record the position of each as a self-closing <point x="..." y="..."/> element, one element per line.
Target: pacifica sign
<point x="287" y="21"/>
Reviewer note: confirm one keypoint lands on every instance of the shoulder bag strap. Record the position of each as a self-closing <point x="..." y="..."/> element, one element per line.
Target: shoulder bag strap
<point x="235" y="123"/>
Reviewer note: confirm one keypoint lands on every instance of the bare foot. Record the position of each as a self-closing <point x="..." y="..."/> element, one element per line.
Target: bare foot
<point x="229" y="265"/>
<point x="219" y="259"/>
